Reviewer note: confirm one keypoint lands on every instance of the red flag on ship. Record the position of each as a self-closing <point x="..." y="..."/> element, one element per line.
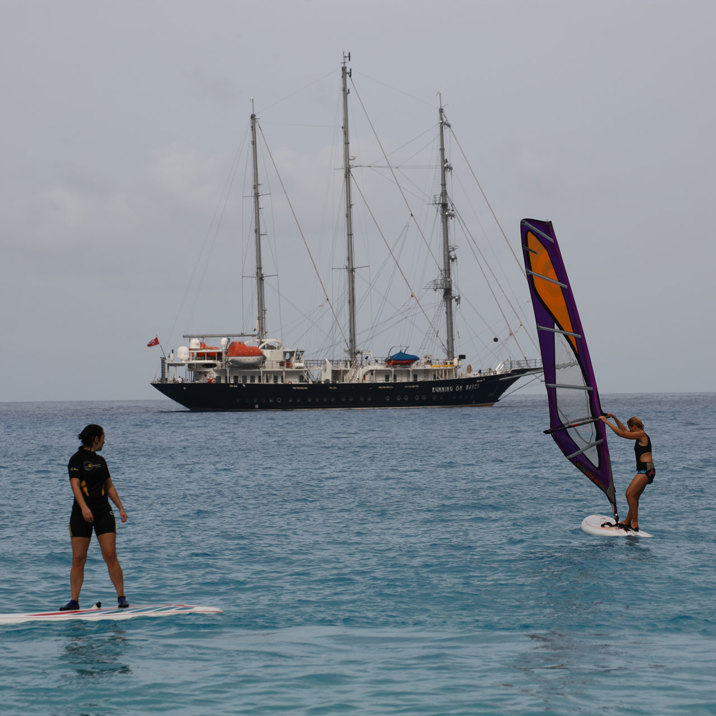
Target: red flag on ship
<point x="153" y="342"/>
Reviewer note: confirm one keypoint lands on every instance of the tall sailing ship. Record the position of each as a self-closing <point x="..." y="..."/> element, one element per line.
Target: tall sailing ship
<point x="254" y="371"/>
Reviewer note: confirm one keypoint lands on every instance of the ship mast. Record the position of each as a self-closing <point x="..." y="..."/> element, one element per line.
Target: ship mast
<point x="350" y="266"/>
<point x="260" y="300"/>
<point x="448" y="256"/>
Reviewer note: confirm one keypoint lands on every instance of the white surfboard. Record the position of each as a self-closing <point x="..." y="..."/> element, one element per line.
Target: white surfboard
<point x="100" y="613"/>
<point x="603" y="526"/>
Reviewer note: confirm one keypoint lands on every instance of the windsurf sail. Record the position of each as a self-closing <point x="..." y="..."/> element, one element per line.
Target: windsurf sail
<point x="574" y="407"/>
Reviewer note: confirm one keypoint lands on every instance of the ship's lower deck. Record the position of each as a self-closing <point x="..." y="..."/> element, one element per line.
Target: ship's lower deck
<point x="474" y="390"/>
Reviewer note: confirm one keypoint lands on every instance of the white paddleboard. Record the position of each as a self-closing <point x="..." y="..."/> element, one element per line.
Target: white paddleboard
<point x="100" y="613"/>
<point x="603" y="526"/>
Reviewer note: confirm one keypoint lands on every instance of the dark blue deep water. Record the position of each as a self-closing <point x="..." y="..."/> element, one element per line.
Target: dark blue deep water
<point x="369" y="562"/>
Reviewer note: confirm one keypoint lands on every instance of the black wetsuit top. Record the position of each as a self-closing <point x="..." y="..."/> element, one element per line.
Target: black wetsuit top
<point x="640" y="450"/>
<point x="92" y="472"/>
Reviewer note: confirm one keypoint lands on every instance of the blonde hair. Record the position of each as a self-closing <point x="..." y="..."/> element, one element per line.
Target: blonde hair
<point x="636" y="423"/>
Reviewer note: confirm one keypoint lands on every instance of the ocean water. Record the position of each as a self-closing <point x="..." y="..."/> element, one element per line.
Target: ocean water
<point x="368" y="562"/>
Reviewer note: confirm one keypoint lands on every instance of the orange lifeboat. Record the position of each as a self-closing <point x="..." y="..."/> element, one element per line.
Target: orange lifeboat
<point x="244" y="356"/>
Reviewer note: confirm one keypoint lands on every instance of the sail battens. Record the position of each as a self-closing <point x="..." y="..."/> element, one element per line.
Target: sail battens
<point x="552" y="329"/>
<point x="567" y="386"/>
<point x="538" y="231"/>
<point x="547" y="278"/>
<point x="572" y="396"/>
<point x="590" y="446"/>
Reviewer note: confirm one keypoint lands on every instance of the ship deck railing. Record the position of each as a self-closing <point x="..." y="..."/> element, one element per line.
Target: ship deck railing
<point x="532" y="364"/>
<point x="527" y="364"/>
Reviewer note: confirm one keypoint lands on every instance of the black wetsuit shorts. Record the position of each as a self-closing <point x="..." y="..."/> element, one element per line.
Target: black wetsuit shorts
<point x="103" y="522"/>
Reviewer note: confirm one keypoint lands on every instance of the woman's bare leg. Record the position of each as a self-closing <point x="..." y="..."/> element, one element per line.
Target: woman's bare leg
<point x="108" y="542"/>
<point x="633" y="493"/>
<point x="80" y="545"/>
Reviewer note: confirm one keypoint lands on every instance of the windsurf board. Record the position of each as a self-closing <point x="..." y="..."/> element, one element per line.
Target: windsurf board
<point x="101" y="613"/>
<point x="603" y="526"/>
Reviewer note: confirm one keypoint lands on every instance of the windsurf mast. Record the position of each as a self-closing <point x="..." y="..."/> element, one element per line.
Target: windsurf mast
<point x="574" y="407"/>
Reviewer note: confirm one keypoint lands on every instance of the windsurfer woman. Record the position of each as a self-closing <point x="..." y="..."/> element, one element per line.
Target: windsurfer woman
<point x="645" y="471"/>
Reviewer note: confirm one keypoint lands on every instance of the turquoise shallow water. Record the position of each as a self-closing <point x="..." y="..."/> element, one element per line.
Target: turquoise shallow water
<point x="368" y="562"/>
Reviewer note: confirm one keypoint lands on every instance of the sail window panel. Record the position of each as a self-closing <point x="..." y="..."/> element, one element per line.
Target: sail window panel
<point x="568" y="372"/>
<point x="573" y="402"/>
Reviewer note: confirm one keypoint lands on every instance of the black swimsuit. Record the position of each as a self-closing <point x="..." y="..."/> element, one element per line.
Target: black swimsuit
<point x="646" y="468"/>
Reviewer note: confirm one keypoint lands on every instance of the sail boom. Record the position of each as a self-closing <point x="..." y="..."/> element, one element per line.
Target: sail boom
<point x="569" y="387"/>
<point x="577" y="424"/>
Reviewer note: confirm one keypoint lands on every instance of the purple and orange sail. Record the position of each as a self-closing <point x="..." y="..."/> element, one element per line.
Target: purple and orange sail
<point x="574" y="407"/>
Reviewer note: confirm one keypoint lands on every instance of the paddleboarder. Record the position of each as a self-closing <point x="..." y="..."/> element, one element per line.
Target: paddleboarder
<point x="645" y="471"/>
<point x="92" y="488"/>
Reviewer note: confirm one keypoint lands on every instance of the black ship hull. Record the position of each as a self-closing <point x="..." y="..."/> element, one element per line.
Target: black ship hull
<point x="472" y="391"/>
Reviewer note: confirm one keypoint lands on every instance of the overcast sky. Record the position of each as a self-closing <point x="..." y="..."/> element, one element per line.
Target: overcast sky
<point x="121" y="121"/>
